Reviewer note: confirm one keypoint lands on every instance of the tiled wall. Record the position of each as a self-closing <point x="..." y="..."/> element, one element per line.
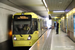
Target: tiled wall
<point x="5" y="10"/>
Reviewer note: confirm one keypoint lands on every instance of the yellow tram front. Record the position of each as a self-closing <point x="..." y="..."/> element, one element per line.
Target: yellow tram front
<point x="25" y="29"/>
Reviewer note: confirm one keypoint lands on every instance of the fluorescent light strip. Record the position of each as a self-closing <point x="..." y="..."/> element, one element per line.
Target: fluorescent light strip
<point x="47" y="10"/>
<point x="58" y="11"/>
<point x="45" y="3"/>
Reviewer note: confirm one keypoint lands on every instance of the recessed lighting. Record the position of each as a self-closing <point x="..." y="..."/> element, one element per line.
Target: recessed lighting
<point x="60" y="2"/>
<point x="58" y="11"/>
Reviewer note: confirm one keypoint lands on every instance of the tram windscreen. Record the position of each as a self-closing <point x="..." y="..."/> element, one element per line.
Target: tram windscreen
<point x="21" y="27"/>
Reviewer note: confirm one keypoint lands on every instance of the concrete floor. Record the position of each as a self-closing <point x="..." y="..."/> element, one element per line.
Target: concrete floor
<point x="44" y="42"/>
<point x="61" y="42"/>
<point x="53" y="41"/>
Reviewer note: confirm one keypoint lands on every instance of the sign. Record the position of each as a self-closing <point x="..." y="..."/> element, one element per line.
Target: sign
<point x="74" y="24"/>
<point x="22" y="17"/>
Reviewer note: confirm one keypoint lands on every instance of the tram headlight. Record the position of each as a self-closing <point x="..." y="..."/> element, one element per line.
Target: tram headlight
<point x="29" y="37"/>
<point x="15" y="38"/>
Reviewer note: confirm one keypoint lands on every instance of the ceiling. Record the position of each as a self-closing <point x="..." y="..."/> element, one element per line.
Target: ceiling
<point x="35" y="6"/>
<point x="38" y="7"/>
<point x="57" y="5"/>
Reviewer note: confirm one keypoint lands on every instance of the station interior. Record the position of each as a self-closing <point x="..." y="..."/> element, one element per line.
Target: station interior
<point x="52" y="12"/>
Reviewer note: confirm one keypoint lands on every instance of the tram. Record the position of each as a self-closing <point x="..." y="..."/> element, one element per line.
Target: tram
<point x="25" y="29"/>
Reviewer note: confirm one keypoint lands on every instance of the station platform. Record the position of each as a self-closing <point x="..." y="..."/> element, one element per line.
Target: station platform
<point x="52" y="41"/>
<point x="48" y="41"/>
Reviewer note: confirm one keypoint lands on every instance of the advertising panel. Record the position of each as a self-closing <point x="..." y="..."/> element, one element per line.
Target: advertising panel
<point x="74" y="24"/>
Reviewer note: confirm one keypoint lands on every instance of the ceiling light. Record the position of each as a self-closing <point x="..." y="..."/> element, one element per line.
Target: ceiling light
<point x="55" y="17"/>
<point x="48" y="10"/>
<point x="45" y="3"/>
<point x="60" y="2"/>
<point x="58" y="11"/>
<point x="63" y="17"/>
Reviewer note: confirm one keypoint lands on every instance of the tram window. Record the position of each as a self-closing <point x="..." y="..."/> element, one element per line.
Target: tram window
<point x="22" y="27"/>
<point x="35" y="25"/>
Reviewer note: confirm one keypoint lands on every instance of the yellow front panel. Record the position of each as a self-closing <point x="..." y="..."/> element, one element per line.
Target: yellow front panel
<point x="19" y="37"/>
<point x="22" y="41"/>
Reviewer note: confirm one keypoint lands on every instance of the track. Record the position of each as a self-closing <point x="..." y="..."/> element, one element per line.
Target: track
<point x="9" y="46"/>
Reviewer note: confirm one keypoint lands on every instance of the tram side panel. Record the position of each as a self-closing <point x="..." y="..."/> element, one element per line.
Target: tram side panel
<point x="41" y="27"/>
<point x="42" y="22"/>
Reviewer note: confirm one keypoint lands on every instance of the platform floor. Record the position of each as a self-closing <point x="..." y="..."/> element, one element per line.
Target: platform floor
<point x="44" y="42"/>
<point x="61" y="42"/>
<point x="52" y="41"/>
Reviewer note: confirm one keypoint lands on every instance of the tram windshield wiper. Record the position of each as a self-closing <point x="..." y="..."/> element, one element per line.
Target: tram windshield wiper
<point x="20" y="34"/>
<point x="29" y="30"/>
